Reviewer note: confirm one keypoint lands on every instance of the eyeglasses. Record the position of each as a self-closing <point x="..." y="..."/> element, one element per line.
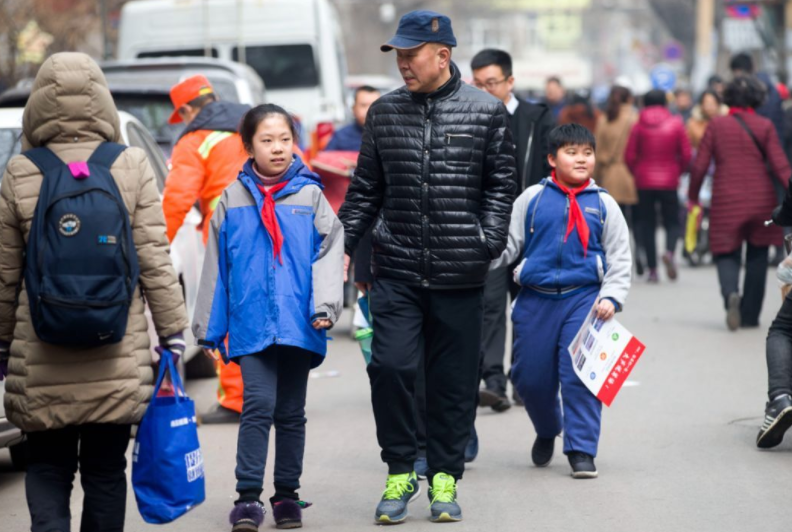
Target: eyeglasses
<point x="489" y="84"/>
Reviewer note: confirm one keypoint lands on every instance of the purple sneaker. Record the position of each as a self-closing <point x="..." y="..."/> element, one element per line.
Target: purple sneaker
<point x="288" y="513"/>
<point x="247" y="516"/>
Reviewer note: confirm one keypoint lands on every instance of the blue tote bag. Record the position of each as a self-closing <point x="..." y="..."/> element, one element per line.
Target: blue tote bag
<point x="167" y="465"/>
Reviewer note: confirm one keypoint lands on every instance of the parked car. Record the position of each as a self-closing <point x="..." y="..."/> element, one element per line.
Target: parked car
<point x="294" y="45"/>
<point x="142" y="88"/>
<point x="187" y="251"/>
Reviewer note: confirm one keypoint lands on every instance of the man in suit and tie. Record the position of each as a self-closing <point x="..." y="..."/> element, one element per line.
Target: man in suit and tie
<point x="530" y="125"/>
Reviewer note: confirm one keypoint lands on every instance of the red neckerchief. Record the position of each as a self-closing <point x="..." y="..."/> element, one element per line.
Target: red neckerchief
<point x="270" y="219"/>
<point x="576" y="218"/>
<point x="735" y="110"/>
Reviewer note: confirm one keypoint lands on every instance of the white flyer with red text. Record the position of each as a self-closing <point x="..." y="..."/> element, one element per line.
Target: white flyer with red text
<point x="604" y="354"/>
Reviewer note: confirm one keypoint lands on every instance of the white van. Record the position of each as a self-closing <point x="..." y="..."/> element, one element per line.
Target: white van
<point x="294" y="45"/>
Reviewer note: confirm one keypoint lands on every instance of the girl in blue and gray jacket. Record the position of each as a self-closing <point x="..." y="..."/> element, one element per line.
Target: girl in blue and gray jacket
<point x="272" y="283"/>
<point x="576" y="252"/>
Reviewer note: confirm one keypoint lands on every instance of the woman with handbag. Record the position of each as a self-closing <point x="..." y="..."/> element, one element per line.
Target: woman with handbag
<point x="750" y="170"/>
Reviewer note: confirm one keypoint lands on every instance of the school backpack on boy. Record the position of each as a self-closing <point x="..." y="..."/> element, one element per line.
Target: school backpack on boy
<point x="81" y="266"/>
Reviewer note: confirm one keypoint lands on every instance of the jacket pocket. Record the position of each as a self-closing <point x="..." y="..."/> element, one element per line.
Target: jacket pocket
<point x="458" y="149"/>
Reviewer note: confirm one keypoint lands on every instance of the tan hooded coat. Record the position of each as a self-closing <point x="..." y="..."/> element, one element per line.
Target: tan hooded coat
<point x="611" y="172"/>
<point x="71" y="111"/>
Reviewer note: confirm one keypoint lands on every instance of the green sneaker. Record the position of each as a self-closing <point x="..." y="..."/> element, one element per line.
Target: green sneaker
<point x="399" y="490"/>
<point x="442" y="494"/>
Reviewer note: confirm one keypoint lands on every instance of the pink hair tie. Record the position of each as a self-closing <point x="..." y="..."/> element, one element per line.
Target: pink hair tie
<point x="79" y="170"/>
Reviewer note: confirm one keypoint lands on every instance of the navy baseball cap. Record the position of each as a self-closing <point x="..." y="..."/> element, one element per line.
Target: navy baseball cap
<point x="417" y="28"/>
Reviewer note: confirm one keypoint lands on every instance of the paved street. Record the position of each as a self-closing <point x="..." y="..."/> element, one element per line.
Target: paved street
<point x="676" y="454"/>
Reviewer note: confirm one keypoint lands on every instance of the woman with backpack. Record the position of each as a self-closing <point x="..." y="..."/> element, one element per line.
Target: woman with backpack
<point x="748" y="160"/>
<point x="77" y="394"/>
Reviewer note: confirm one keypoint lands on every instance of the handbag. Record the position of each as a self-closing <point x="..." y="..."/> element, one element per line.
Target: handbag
<point x="777" y="186"/>
<point x="167" y="465"/>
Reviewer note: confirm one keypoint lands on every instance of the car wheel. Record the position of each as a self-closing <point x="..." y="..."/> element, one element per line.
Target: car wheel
<point x="201" y="367"/>
<point x="19" y="455"/>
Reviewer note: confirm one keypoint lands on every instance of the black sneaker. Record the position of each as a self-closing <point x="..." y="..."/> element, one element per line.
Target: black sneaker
<point x="542" y="452"/>
<point x="582" y="465"/>
<point x="488" y="397"/>
<point x="778" y="418"/>
<point x="399" y="491"/>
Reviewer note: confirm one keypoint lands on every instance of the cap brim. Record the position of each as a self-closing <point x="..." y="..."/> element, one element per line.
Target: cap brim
<point x="175" y="118"/>
<point x="401" y="43"/>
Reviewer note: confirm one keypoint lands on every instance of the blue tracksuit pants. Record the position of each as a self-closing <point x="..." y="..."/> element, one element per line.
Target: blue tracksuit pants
<point x="543" y="329"/>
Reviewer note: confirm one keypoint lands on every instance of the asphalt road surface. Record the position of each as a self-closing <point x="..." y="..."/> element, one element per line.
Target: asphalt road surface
<point x="677" y="450"/>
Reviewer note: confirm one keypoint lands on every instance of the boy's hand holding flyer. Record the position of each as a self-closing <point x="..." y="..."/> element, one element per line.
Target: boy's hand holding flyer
<point x="604" y="354"/>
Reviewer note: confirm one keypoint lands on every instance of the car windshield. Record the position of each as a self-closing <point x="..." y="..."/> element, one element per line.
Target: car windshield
<point x="285" y="66"/>
<point x="10" y="145"/>
<point x="153" y="111"/>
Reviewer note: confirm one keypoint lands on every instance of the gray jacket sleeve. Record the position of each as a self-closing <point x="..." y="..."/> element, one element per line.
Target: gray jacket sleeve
<point x="515" y="245"/>
<point x="328" y="266"/>
<point x="210" y="321"/>
<point x="618" y="255"/>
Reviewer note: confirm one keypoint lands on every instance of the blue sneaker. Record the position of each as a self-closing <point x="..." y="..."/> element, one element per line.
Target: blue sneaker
<point x="421" y="467"/>
<point x="442" y="494"/>
<point x="399" y="491"/>
<point x="472" y="448"/>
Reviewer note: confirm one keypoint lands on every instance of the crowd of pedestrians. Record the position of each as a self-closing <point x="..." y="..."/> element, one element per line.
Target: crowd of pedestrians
<point x="466" y="200"/>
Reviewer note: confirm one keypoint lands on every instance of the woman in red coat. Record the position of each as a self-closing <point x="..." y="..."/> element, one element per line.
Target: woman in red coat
<point x="657" y="153"/>
<point x="743" y="196"/>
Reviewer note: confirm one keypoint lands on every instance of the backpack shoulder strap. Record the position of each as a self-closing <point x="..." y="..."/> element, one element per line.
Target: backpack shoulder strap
<point x="106" y="154"/>
<point x="44" y="159"/>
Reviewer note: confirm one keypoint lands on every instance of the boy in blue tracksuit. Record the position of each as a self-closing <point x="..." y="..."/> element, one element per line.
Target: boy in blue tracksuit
<point x="576" y="252"/>
<point x="272" y="283"/>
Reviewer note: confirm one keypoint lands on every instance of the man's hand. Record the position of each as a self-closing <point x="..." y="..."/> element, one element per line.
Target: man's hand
<point x="605" y="309"/>
<point x="363" y="287"/>
<point x="322" y="324"/>
<point x="210" y="353"/>
<point x="347" y="260"/>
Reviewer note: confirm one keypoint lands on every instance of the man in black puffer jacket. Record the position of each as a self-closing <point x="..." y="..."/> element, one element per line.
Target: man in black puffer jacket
<point x="436" y="177"/>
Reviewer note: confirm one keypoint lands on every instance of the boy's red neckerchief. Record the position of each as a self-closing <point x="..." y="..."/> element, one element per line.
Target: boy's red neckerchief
<point x="270" y="219"/>
<point x="576" y="218"/>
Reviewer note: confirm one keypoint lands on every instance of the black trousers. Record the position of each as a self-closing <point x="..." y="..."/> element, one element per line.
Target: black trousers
<point x="753" y="285"/>
<point x="648" y="201"/>
<point x="779" y="352"/>
<point x="276" y="384"/>
<point x="442" y="329"/>
<point x="493" y="340"/>
<point x="99" y="451"/>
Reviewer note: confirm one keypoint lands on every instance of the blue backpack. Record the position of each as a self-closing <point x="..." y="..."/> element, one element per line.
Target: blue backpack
<point x="81" y="266"/>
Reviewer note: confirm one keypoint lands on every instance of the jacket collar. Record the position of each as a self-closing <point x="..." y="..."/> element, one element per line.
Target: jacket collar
<point x="298" y="176"/>
<point x="590" y="187"/>
<point x="447" y="90"/>
<point x="218" y="116"/>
